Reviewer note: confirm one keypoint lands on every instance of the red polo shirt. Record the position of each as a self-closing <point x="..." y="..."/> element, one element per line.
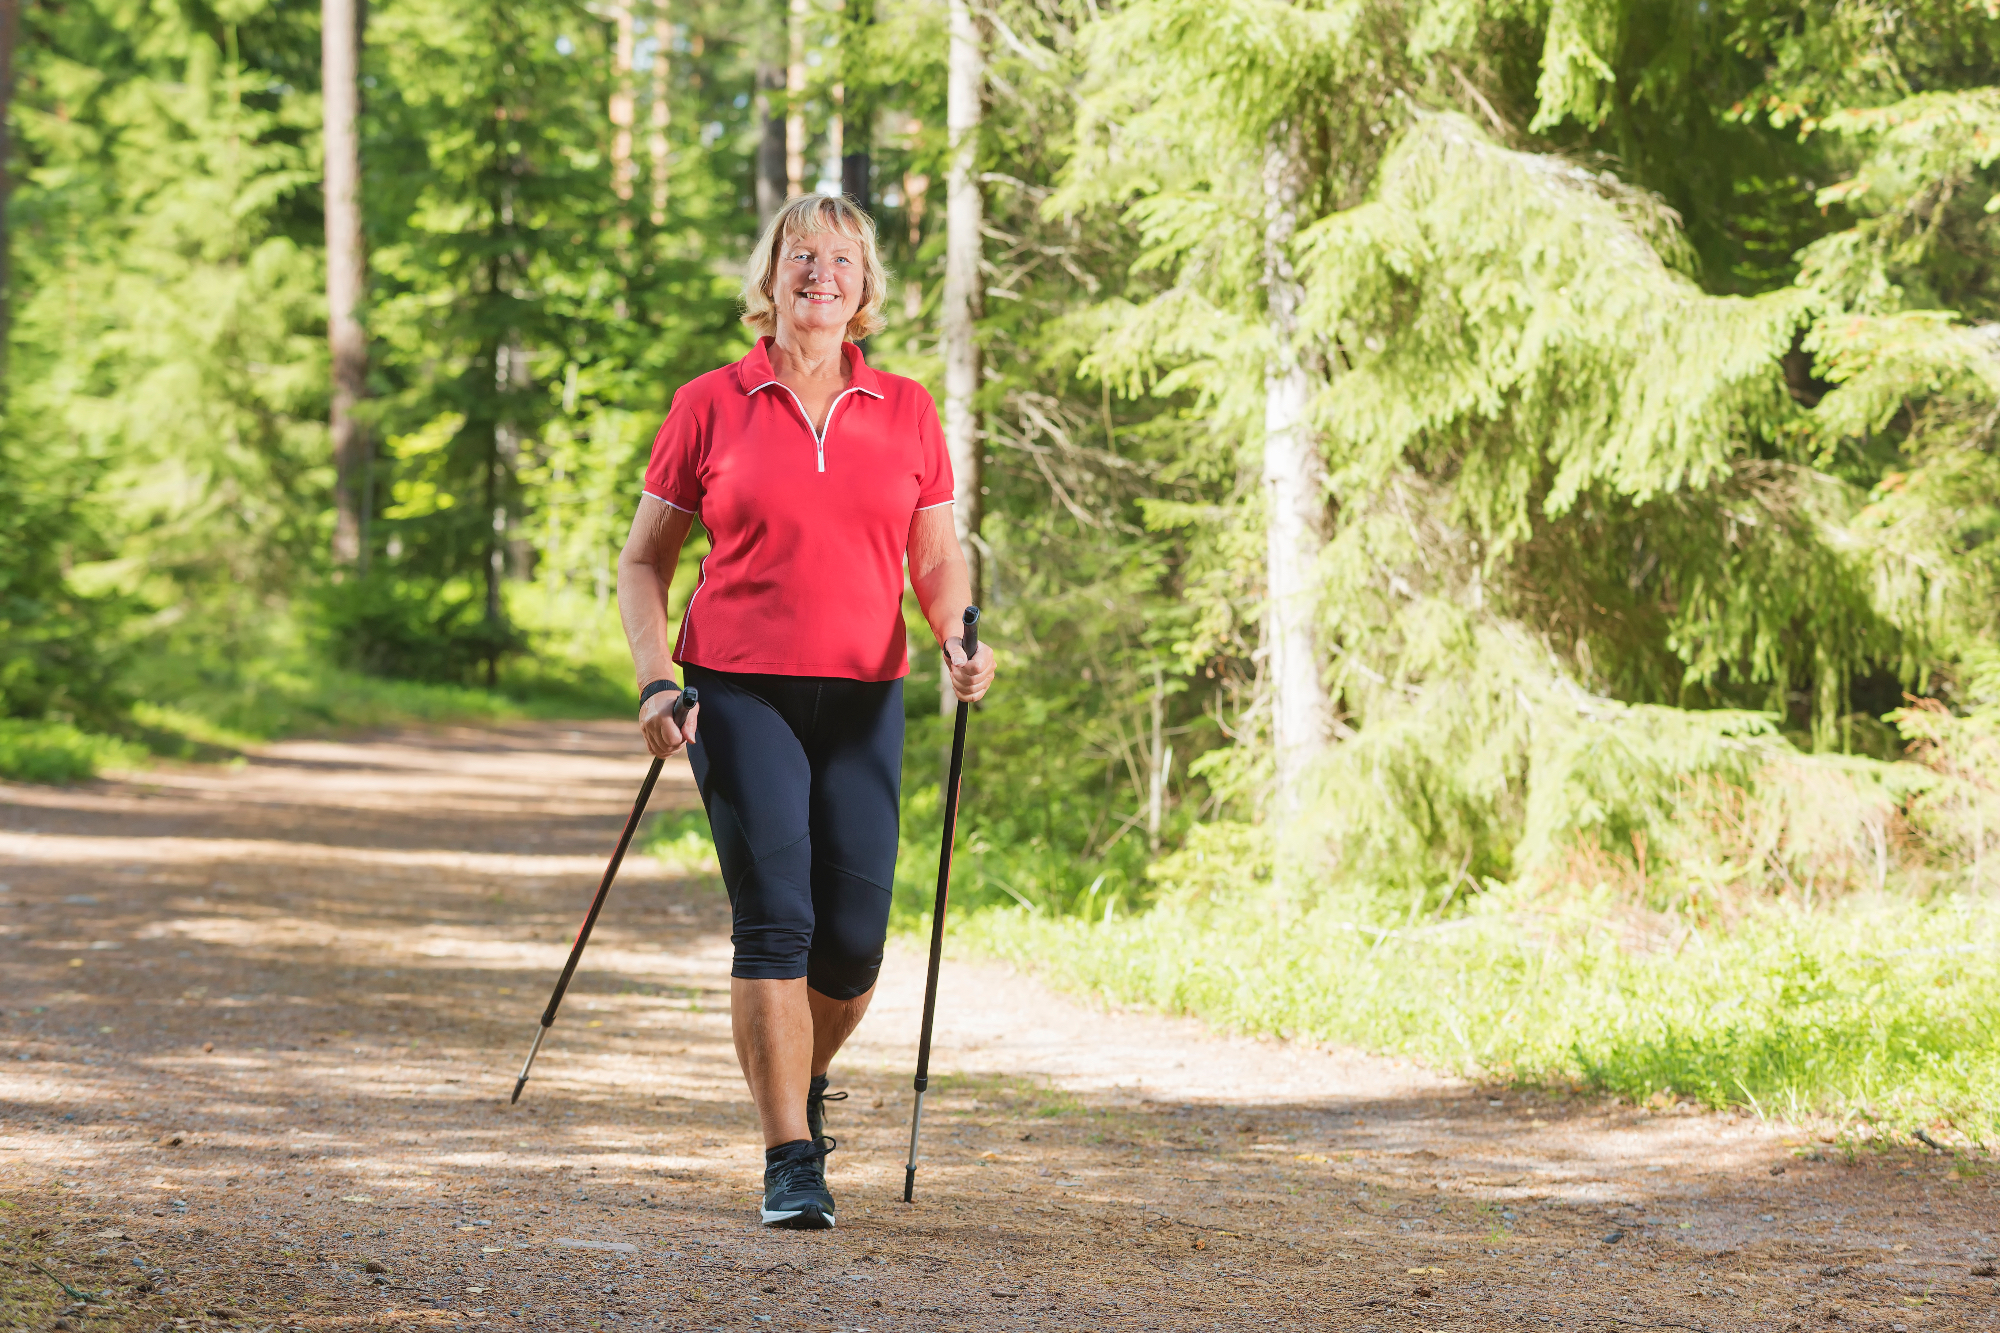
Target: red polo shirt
<point x="810" y="532"/>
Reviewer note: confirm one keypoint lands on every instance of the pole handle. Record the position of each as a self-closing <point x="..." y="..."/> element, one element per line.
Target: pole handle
<point x="971" y="636"/>
<point x="684" y="704"/>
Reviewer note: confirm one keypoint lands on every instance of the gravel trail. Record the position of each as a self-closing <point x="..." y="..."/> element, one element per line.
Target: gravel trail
<point x="261" y="1021"/>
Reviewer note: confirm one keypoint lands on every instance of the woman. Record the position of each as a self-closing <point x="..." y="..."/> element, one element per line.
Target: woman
<point x="817" y="479"/>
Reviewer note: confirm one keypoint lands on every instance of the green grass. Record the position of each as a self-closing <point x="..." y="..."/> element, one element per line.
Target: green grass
<point x="59" y="752"/>
<point x="681" y="840"/>
<point x="269" y="700"/>
<point x="1882" y="1014"/>
<point x="194" y="712"/>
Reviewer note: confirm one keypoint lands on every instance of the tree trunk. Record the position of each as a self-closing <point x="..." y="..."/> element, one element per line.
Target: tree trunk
<point x="771" y="146"/>
<point x="346" y="268"/>
<point x="10" y="39"/>
<point x="622" y="100"/>
<point x="663" y="45"/>
<point x="795" y="102"/>
<point x="1294" y="496"/>
<point x="836" y="131"/>
<point x="771" y="123"/>
<point x="856" y="122"/>
<point x="963" y="286"/>
<point x="1162" y="755"/>
<point x="854" y="172"/>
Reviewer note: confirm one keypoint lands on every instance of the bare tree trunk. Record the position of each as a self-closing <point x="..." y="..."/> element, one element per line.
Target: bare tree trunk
<point x="656" y="144"/>
<point x="856" y="130"/>
<point x="1163" y="760"/>
<point x="855" y="170"/>
<point x="621" y="103"/>
<point x="771" y="146"/>
<point x="963" y="284"/>
<point x="1294" y="495"/>
<point x="836" y="131"/>
<point x="795" y="101"/>
<point x="10" y="39"/>
<point x="346" y="267"/>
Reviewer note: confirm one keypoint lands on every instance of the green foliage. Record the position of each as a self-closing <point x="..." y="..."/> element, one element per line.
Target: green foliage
<point x="58" y="752"/>
<point x="57" y="654"/>
<point x="411" y="629"/>
<point x="682" y="841"/>
<point x="165" y="349"/>
<point x="1654" y="366"/>
<point x="1879" y="1011"/>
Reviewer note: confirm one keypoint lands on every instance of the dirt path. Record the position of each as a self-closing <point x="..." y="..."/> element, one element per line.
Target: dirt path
<point x="261" y="1023"/>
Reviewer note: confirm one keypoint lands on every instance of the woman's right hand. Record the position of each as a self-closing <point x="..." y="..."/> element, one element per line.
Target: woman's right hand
<point x="656" y="724"/>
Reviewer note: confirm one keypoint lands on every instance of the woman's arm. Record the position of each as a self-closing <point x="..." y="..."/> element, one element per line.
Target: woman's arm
<point x="944" y="589"/>
<point x="645" y="574"/>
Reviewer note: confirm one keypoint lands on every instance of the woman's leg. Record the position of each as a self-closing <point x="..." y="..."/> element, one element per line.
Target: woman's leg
<point x="856" y="751"/>
<point x="774" y="1026"/>
<point x="755" y="782"/>
<point x="833" y="1022"/>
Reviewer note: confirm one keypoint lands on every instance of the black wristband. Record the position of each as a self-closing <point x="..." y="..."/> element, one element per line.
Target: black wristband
<point x="656" y="687"/>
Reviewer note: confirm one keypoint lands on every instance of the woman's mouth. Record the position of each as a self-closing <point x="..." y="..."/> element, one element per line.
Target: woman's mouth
<point x="821" y="298"/>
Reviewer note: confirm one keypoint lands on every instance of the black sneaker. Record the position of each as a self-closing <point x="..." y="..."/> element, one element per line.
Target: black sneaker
<point x="816" y="1099"/>
<point x="795" y="1193"/>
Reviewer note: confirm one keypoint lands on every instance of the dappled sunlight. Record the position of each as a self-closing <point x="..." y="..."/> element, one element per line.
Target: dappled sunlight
<point x="282" y="1056"/>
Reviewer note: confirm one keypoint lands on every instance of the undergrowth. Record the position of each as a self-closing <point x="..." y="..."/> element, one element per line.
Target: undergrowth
<point x="1876" y="1011"/>
<point x="60" y="752"/>
<point x="202" y="700"/>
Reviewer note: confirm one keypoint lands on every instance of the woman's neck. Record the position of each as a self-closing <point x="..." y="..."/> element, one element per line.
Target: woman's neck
<point x="808" y="356"/>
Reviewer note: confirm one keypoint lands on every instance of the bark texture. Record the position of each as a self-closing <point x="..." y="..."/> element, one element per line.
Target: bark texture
<point x="346" y="268"/>
<point x="656" y="143"/>
<point x="771" y="113"/>
<point x="964" y="287"/>
<point x="795" y="101"/>
<point x="622" y="102"/>
<point x="1294" y="495"/>
<point x="10" y="37"/>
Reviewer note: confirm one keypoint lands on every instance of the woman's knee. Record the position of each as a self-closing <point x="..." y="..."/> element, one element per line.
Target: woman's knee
<point x="772" y="916"/>
<point x="853" y="922"/>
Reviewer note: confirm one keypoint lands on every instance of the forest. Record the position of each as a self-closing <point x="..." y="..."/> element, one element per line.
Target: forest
<point x="1485" y="510"/>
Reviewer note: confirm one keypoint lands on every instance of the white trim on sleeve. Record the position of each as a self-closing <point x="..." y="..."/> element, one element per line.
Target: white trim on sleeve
<point x="670" y="504"/>
<point x="939" y="505"/>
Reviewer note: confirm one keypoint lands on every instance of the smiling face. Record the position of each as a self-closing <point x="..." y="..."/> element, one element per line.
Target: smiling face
<point x="818" y="283"/>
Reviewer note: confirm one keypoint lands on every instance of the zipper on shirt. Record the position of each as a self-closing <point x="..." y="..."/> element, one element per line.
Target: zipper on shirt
<point x="819" y="436"/>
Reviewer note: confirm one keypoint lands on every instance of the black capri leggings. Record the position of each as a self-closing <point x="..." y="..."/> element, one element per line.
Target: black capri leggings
<point x="801" y="776"/>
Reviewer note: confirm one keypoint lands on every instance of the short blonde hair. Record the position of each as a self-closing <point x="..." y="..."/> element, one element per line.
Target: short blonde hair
<point x="814" y="215"/>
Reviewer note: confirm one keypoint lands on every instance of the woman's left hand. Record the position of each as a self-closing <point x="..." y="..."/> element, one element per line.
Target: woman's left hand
<point x="969" y="680"/>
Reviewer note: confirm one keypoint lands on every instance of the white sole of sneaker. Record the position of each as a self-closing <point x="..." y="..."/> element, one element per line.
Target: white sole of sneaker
<point x="774" y="1218"/>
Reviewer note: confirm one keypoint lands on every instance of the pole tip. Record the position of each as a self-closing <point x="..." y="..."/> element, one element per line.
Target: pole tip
<point x="519" y="1084"/>
<point x="909" y="1182"/>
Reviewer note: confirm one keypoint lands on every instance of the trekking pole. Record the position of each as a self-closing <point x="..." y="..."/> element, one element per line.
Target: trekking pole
<point x="684" y="705"/>
<point x="937" y="911"/>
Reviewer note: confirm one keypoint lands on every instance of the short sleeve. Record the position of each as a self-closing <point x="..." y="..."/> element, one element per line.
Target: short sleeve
<point x="674" y="474"/>
<point x="934" y="480"/>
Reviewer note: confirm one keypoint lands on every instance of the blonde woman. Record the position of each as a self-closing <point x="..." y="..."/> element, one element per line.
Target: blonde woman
<point x="818" y="479"/>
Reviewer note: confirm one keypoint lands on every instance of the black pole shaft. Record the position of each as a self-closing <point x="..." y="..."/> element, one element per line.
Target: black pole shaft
<point x="685" y="704"/>
<point x="923" y="1079"/>
<point x="603" y="892"/>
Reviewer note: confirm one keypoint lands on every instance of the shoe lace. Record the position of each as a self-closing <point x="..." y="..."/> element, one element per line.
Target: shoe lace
<point x="806" y="1168"/>
<point x="826" y="1096"/>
